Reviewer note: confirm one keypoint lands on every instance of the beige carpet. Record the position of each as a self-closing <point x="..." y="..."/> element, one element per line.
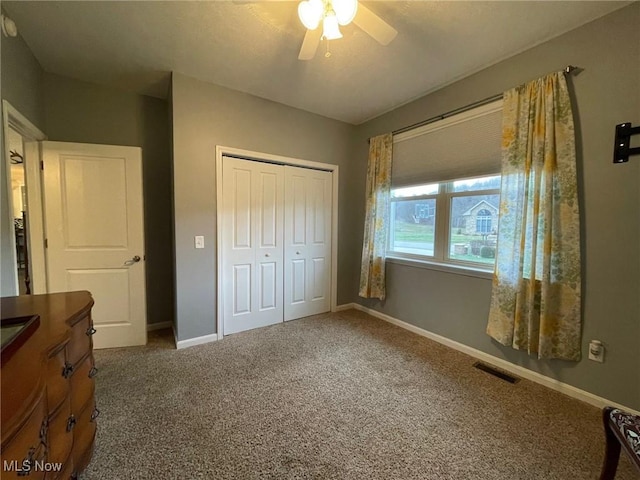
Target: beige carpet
<point x="337" y="396"/>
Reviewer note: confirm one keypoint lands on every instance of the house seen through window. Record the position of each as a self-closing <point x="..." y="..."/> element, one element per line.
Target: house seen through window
<point x="448" y="222"/>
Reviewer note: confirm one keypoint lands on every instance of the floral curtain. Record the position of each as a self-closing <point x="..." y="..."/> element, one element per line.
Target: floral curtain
<point x="535" y="304"/>
<point x="374" y="247"/>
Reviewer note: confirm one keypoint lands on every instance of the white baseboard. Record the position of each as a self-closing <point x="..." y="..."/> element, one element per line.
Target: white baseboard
<point x="346" y="306"/>
<point x="192" y="342"/>
<point x="522" y="372"/>
<point x="158" y="326"/>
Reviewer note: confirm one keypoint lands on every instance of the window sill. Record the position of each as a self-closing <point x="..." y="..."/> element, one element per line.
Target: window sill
<point x="441" y="267"/>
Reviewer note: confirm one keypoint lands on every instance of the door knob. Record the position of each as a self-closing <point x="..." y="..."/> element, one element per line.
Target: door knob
<point x="267" y="254"/>
<point x="297" y="253"/>
<point x="133" y="260"/>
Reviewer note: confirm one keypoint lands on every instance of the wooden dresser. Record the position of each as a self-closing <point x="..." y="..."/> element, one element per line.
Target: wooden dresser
<point x="48" y="410"/>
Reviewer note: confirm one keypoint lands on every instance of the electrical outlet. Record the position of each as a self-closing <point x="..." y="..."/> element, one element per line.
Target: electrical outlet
<point x="199" y="241"/>
<point x="596" y="351"/>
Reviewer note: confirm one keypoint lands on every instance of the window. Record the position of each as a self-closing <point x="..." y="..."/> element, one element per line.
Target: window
<point x="483" y="221"/>
<point x="453" y="222"/>
<point x="445" y="189"/>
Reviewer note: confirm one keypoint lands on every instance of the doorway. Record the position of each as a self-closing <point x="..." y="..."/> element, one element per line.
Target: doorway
<point x="18" y="196"/>
<point x="277" y="239"/>
<point x="23" y="262"/>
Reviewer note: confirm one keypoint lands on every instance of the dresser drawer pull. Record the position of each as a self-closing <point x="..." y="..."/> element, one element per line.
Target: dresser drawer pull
<point x="91" y="330"/>
<point x="67" y="370"/>
<point x="95" y="414"/>
<point x="71" y="423"/>
<point x="27" y="464"/>
<point x="93" y="372"/>
<point x="44" y="429"/>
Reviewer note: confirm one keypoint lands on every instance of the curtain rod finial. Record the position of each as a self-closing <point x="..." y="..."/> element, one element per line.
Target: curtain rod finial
<point x="570" y="69"/>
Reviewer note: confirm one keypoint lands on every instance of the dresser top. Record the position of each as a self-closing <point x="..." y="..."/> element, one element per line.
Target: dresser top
<point x="66" y="305"/>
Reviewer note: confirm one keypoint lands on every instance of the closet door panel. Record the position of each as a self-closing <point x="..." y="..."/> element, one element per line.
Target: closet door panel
<point x="238" y="243"/>
<point x="267" y="205"/>
<point x="298" y="281"/>
<point x="269" y="247"/>
<point x="252" y="239"/>
<point x="295" y="240"/>
<point x="297" y="206"/>
<point x="241" y="208"/>
<point x="307" y="255"/>
<point x="242" y="289"/>
<point x="320" y="215"/>
<point x="318" y="278"/>
<point x="268" y="286"/>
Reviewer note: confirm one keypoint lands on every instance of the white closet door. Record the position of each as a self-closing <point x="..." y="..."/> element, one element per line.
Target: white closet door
<point x="252" y="243"/>
<point x="307" y="237"/>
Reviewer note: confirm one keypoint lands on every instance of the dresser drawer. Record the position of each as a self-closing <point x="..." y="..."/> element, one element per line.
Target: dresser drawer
<point x="27" y="445"/>
<point x="21" y="380"/>
<point x="60" y="439"/>
<point x="83" y="435"/>
<point x="82" y="384"/>
<point x="58" y="373"/>
<point x="80" y="343"/>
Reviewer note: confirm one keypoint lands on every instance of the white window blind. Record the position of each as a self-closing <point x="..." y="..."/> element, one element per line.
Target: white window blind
<point x="463" y="145"/>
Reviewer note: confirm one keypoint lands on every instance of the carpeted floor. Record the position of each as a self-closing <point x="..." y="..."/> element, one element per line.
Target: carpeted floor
<point x="336" y="396"/>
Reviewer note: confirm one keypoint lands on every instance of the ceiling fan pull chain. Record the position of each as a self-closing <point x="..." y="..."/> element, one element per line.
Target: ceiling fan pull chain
<point x="327" y="53"/>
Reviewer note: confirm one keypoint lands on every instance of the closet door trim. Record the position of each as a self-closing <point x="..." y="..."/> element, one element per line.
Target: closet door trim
<point x="222" y="151"/>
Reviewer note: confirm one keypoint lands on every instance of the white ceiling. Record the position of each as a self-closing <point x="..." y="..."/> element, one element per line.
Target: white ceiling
<point x="253" y="47"/>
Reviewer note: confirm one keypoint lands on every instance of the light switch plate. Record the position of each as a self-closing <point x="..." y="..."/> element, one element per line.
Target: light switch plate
<point x="199" y="241"/>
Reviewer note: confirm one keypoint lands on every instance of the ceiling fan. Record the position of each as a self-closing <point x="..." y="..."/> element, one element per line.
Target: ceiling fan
<point x="333" y="13"/>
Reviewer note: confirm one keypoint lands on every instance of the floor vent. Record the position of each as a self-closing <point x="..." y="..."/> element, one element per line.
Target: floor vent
<point x="495" y="372"/>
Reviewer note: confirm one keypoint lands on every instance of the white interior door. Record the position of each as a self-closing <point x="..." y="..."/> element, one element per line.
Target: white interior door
<point x="95" y="234"/>
<point x="307" y="256"/>
<point x="252" y="234"/>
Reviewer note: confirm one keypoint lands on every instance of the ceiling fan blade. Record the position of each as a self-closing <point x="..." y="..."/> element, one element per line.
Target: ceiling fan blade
<point x="310" y="44"/>
<point x="371" y="23"/>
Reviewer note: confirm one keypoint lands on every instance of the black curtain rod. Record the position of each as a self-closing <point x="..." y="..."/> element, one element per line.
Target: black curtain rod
<point x="448" y="114"/>
<point x="567" y="70"/>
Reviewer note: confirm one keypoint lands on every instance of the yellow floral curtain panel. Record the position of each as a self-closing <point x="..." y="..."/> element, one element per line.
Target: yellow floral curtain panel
<point x="374" y="247"/>
<point x="535" y="304"/>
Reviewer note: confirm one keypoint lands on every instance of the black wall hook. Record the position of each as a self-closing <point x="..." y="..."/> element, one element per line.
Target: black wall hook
<point x="622" y="147"/>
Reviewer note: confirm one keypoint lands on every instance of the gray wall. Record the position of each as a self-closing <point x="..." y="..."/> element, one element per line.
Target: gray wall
<point x="22" y="78"/>
<point x="206" y="115"/>
<point x="22" y="88"/>
<point x="82" y="112"/>
<point x="606" y="93"/>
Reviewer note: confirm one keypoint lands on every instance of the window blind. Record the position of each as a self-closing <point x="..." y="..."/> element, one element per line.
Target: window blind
<point x="463" y="145"/>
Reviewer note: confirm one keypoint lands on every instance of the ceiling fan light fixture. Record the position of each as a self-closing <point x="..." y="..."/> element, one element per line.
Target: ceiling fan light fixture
<point x="330" y="28"/>
<point x="345" y="10"/>
<point x="310" y="13"/>
<point x="9" y="28"/>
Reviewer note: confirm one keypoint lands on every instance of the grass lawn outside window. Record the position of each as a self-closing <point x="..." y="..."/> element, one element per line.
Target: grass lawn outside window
<point x="451" y="222"/>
